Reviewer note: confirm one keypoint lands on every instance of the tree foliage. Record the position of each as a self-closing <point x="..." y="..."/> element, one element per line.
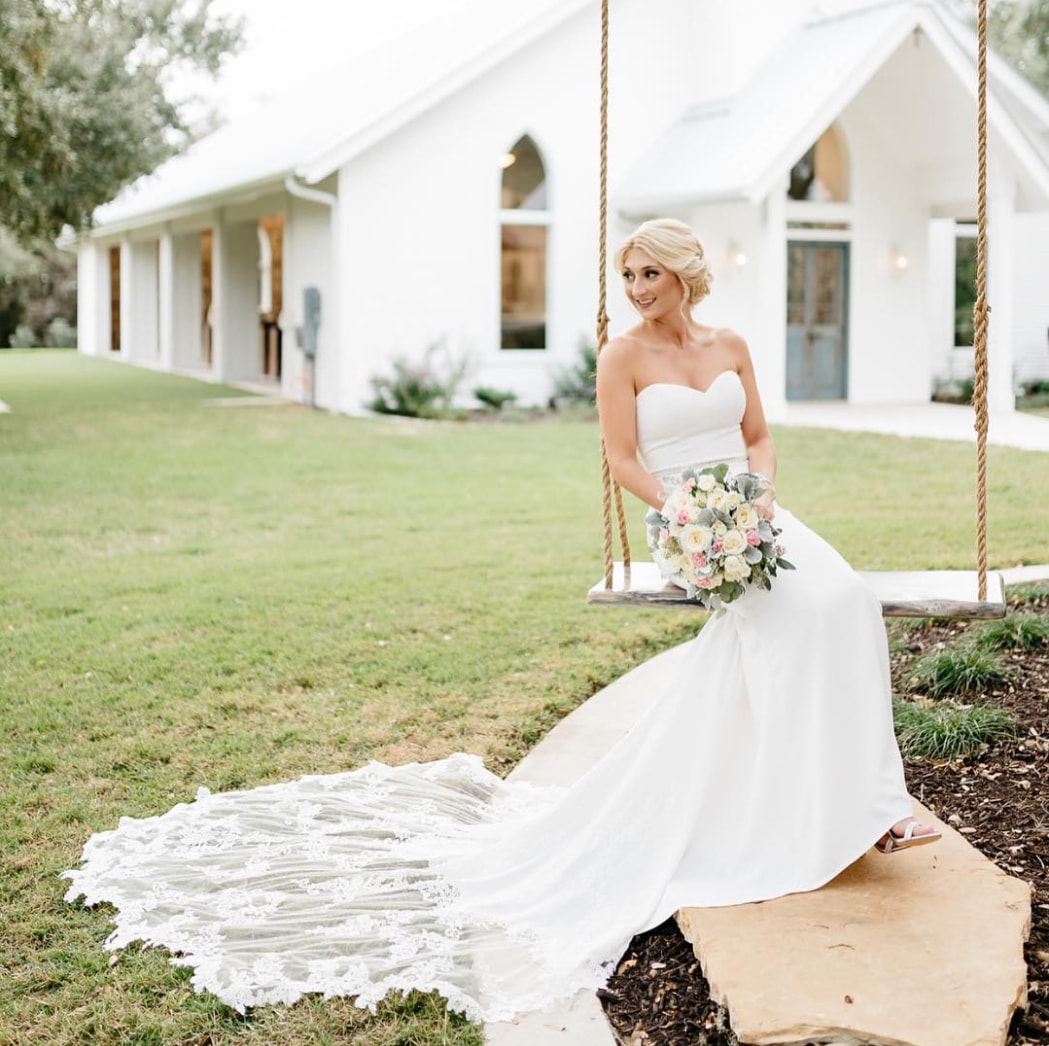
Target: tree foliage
<point x="1019" y="31"/>
<point x="86" y="99"/>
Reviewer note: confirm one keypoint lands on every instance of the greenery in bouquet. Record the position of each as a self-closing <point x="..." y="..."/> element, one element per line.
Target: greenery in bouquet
<point x="710" y="538"/>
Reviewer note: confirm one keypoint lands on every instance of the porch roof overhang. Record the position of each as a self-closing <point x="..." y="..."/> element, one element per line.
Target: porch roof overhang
<point x="740" y="148"/>
<point x="312" y="130"/>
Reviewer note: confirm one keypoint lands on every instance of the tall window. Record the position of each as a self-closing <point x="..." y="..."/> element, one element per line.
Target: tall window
<point x="822" y="174"/>
<point x="524" y="224"/>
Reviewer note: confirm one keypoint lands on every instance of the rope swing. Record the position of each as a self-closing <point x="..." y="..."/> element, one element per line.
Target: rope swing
<point x="610" y="491"/>
<point x="938" y="593"/>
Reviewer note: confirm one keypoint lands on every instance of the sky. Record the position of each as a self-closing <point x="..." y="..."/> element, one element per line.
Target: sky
<point x="289" y="40"/>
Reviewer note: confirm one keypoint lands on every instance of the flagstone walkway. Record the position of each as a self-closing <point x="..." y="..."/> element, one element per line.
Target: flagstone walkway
<point x="915" y="949"/>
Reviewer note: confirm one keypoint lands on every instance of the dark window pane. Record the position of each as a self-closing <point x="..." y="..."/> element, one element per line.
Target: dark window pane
<point x="524" y="287"/>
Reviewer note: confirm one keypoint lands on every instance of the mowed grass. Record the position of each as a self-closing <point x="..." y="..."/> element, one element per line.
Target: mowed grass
<point x="194" y="594"/>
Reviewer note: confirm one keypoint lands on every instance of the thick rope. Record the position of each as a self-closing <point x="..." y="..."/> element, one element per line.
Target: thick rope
<point x="610" y="492"/>
<point x="981" y="311"/>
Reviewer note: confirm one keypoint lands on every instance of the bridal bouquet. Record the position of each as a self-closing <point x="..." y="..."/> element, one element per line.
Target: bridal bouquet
<point x="709" y="538"/>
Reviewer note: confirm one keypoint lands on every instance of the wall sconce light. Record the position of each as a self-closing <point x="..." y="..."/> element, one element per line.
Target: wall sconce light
<point x="737" y="257"/>
<point x="898" y="261"/>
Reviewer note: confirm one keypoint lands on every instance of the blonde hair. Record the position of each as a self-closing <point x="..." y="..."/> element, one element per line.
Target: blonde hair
<point x="677" y="248"/>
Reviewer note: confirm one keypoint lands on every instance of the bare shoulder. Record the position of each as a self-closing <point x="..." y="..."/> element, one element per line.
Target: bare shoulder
<point x="620" y="354"/>
<point x="734" y="345"/>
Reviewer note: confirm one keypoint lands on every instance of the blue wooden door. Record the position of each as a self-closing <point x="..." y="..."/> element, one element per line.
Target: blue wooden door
<point x="817" y="314"/>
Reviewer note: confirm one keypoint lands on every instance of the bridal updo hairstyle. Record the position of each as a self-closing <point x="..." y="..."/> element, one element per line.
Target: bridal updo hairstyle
<point x="676" y="247"/>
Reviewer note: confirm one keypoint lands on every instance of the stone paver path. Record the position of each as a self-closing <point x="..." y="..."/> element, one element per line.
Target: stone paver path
<point x="921" y="948"/>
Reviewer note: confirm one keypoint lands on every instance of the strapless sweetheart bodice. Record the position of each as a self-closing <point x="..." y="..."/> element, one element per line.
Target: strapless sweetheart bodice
<point x="678" y="425"/>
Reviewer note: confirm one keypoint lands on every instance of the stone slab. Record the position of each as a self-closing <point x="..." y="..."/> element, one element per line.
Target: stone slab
<point x="920" y="948"/>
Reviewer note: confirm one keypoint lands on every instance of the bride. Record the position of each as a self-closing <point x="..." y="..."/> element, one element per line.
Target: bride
<point x="766" y="768"/>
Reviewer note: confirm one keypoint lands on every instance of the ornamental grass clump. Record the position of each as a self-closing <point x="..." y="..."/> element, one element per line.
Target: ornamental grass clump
<point x="1024" y="631"/>
<point x="949" y="730"/>
<point x="963" y="670"/>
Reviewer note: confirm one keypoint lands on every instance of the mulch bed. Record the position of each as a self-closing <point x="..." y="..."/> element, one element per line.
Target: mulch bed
<point x="998" y="798"/>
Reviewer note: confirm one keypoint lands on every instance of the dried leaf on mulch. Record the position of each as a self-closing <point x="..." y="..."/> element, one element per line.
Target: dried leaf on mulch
<point x="999" y="798"/>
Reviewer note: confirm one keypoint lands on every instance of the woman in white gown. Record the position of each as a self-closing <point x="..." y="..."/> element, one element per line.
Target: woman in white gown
<point x="766" y="768"/>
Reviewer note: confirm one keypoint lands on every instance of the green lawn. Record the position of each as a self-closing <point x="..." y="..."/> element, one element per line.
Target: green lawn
<point x="196" y="594"/>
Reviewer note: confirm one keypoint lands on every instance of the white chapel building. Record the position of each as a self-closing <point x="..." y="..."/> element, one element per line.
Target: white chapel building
<point x="445" y="191"/>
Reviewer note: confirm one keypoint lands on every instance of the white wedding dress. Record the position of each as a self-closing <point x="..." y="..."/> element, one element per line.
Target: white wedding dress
<point x="766" y="768"/>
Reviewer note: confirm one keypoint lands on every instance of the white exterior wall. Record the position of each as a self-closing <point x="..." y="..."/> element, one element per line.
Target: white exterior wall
<point x="93" y="333"/>
<point x="180" y="301"/>
<point x="420" y="213"/>
<point x="235" y="297"/>
<point x="139" y="304"/>
<point x="187" y="317"/>
<point x="889" y="337"/>
<point x="1030" y="274"/>
<point x="308" y="260"/>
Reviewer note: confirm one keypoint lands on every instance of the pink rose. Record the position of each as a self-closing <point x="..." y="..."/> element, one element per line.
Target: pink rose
<point x="683" y="517"/>
<point x="704" y="582"/>
<point x="752" y="538"/>
<point x="664" y="535"/>
<point x="717" y="548"/>
<point x="699" y="560"/>
<point x="690" y="484"/>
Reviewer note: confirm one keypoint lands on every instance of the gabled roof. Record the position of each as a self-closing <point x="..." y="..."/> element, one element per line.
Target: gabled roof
<point x="316" y="127"/>
<point x="738" y="148"/>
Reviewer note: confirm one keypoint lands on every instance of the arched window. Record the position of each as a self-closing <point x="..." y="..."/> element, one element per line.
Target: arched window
<point x="524" y="225"/>
<point x="822" y="174"/>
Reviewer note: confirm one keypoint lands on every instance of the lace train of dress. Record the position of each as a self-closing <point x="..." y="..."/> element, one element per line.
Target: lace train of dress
<point x="767" y="767"/>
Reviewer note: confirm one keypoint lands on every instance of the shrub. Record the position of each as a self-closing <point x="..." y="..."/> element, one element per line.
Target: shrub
<point x="1015" y="632"/>
<point x="23" y="337"/>
<point x="420" y="390"/>
<point x="60" y="334"/>
<point x="964" y="670"/>
<point x="949" y="730"/>
<point x="577" y="383"/>
<point x="494" y="399"/>
<point x="953" y="390"/>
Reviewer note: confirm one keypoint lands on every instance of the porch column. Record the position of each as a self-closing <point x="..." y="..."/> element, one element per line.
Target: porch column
<point x="93" y="301"/>
<point x="772" y="328"/>
<point x="180" y="302"/>
<point x="1001" y="397"/>
<point x="139" y="274"/>
<point x="234" y="301"/>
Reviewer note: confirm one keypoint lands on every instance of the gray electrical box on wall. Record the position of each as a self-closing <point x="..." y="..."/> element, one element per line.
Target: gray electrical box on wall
<point x="311" y="321"/>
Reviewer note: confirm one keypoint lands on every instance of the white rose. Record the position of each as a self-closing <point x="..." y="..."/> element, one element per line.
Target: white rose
<point x="746" y="517"/>
<point x="733" y="500"/>
<point x="718" y="500"/>
<point x="677" y="500"/>
<point x="706" y="482"/>
<point x="694" y="538"/>
<point x="735" y="542"/>
<point x="736" y="568"/>
<point x="719" y="530"/>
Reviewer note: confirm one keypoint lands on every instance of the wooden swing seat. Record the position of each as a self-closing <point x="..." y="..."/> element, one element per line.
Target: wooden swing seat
<point x="903" y="593"/>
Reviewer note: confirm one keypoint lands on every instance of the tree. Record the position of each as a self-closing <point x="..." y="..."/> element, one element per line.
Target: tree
<point x="1019" y="31"/>
<point x="86" y="99"/>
